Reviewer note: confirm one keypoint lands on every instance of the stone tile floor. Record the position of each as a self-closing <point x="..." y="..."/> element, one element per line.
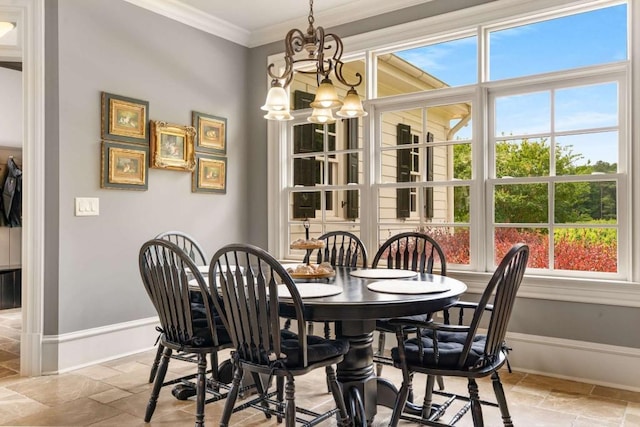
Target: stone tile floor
<point x="115" y="393"/>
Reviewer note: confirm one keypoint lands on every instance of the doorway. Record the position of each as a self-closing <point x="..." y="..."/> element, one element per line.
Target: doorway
<point x="29" y="18"/>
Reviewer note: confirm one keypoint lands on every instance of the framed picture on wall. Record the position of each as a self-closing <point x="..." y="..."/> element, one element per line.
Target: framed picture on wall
<point x="210" y="175"/>
<point x="211" y="133"/>
<point x="172" y="146"/>
<point x="124" y="119"/>
<point x="124" y="166"/>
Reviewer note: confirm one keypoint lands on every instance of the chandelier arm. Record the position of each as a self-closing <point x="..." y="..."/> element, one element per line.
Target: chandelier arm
<point x="337" y="61"/>
<point x="342" y="79"/>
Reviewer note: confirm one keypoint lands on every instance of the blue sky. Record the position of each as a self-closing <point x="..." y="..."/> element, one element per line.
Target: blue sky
<point x="591" y="38"/>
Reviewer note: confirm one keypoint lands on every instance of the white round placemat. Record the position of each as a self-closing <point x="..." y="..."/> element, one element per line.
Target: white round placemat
<point x="383" y="273"/>
<point x="407" y="287"/>
<point x="310" y="290"/>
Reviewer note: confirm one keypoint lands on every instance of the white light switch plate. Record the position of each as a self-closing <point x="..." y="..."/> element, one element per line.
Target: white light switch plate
<point x="87" y="206"/>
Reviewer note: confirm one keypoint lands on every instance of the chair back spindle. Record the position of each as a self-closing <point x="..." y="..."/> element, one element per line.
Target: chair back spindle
<point x="411" y="251"/>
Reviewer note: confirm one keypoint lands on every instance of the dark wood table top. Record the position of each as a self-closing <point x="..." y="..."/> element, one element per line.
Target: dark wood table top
<point x="357" y="302"/>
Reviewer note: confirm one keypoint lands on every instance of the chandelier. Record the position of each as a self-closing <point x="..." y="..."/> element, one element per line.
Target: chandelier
<point x="319" y="54"/>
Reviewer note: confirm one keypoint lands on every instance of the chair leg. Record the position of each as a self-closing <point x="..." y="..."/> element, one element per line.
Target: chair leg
<point x="476" y="407"/>
<point x="381" y="342"/>
<point x="156" y="361"/>
<point x="290" y="408"/>
<point x="201" y="389"/>
<point x="335" y="389"/>
<point x="232" y="396"/>
<point x="428" y="398"/>
<point x="280" y="396"/>
<point x="157" y="385"/>
<point x="440" y="381"/>
<point x="502" y="400"/>
<point x="401" y="401"/>
<point x="214" y="372"/>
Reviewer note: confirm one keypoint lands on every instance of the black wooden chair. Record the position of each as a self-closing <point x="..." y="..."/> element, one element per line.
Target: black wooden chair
<point x="166" y="273"/>
<point x="461" y="351"/>
<point x="193" y="249"/>
<point x="407" y="251"/>
<point x="249" y="308"/>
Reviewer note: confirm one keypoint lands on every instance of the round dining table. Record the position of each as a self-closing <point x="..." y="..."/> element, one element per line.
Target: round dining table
<point x="355" y="311"/>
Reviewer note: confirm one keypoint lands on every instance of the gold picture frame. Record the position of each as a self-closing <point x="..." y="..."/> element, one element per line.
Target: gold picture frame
<point x="211" y="133"/>
<point x="124" y="119"/>
<point x="210" y="174"/>
<point x="172" y="146"/>
<point x="124" y="166"/>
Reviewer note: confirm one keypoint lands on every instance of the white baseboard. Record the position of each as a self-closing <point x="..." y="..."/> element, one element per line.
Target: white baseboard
<point x="66" y="352"/>
<point x="593" y="363"/>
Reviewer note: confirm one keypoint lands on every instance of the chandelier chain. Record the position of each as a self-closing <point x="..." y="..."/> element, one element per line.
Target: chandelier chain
<point x="310" y="18"/>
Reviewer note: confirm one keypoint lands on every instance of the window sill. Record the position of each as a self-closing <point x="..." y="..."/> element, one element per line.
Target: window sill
<point x="616" y="293"/>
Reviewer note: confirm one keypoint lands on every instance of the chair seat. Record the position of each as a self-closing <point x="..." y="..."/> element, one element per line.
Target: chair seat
<point x="450" y="346"/>
<point x="318" y="350"/>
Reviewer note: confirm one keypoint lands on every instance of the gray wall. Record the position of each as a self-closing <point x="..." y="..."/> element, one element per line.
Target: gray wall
<point x="120" y="48"/>
<point x="584" y="322"/>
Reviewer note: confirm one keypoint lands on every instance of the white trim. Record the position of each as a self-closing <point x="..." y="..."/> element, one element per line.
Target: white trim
<point x="196" y="18"/>
<point x="66" y="352"/>
<point x="614" y="293"/>
<point x="600" y="364"/>
<point x="32" y="18"/>
<point x="459" y="22"/>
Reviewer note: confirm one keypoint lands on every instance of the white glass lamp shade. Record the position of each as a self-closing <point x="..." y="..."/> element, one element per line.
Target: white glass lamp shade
<point x="326" y="96"/>
<point x="5" y="27"/>
<point x="277" y="99"/>
<point x="352" y="106"/>
<point x="279" y="115"/>
<point x="321" y="116"/>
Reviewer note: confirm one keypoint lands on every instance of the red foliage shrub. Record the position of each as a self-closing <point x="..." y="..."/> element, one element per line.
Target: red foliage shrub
<point x="572" y="254"/>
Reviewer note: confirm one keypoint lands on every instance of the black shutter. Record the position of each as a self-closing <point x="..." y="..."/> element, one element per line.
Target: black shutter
<point x="304" y="173"/>
<point x="403" y="171"/>
<point x="351" y="211"/>
<point x="304" y="170"/>
<point x="428" y="194"/>
<point x="302" y="100"/>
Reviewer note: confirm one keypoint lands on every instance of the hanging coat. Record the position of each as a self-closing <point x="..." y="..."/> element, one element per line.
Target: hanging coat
<point x="12" y="195"/>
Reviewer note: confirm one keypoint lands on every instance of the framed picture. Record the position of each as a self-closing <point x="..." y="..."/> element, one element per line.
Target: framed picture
<point x="210" y="175"/>
<point x="124" y="166"/>
<point x="124" y="119"/>
<point x="172" y="146"/>
<point x="211" y="133"/>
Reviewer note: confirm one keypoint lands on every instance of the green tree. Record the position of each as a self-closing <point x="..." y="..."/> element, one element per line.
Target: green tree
<point x="461" y="170"/>
<point x="528" y="203"/>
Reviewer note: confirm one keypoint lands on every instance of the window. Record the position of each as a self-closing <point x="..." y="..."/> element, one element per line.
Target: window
<point x="557" y="174"/>
<point x="499" y="132"/>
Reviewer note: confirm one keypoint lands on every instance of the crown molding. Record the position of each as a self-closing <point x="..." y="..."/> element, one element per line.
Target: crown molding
<point x="349" y="12"/>
<point x="178" y="11"/>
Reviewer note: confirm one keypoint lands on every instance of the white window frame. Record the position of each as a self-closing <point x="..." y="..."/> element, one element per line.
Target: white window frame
<point x="489" y="16"/>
